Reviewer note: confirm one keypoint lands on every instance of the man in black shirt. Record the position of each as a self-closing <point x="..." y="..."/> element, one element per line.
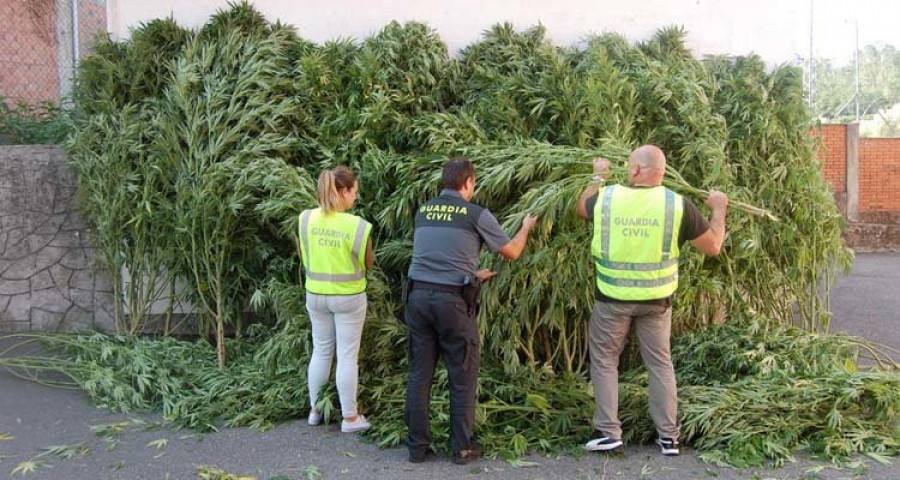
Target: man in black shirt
<point x="449" y="232"/>
<point x="638" y="229"/>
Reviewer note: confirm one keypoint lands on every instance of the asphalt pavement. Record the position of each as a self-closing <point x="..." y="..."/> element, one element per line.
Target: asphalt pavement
<point x="34" y="417"/>
<point x="866" y="303"/>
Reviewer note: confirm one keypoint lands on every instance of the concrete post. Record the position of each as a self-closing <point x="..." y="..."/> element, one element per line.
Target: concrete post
<point x="853" y="172"/>
<point x="65" y="34"/>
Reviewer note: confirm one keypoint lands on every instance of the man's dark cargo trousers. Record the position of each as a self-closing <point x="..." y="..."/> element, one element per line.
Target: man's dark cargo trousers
<point x="439" y="322"/>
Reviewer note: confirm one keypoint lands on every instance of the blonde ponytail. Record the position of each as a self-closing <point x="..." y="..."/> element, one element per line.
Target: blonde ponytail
<point x="331" y="182"/>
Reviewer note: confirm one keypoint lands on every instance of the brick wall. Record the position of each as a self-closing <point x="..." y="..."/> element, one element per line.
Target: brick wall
<point x="879" y="175"/>
<point x="879" y="170"/>
<point x="833" y="155"/>
<point x="28" y="60"/>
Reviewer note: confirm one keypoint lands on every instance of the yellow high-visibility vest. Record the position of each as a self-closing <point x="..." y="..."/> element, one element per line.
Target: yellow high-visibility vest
<point x="635" y="244"/>
<point x="334" y="252"/>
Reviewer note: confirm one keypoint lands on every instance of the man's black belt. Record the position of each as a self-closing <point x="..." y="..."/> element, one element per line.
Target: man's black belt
<point x="457" y="289"/>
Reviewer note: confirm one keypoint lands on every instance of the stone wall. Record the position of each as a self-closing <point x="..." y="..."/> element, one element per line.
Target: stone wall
<point x="47" y="276"/>
<point x="875" y="232"/>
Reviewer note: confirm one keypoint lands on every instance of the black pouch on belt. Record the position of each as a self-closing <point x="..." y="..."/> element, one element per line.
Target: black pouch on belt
<point x="471" y="293"/>
<point x="405" y="283"/>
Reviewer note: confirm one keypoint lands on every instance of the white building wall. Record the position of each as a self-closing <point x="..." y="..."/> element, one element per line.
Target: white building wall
<point x="776" y="29"/>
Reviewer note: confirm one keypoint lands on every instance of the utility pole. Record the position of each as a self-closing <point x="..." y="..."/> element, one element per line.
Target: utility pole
<point x="857" y="71"/>
<point x="812" y="61"/>
<point x="76" y="31"/>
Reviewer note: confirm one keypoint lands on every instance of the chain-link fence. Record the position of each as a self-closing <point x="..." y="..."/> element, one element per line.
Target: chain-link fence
<point x="39" y="42"/>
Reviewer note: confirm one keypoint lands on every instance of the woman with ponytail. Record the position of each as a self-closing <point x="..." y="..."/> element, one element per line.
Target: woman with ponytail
<point x="336" y="251"/>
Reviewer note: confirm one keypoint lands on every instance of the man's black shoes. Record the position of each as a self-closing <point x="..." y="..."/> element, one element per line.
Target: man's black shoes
<point x="463" y="457"/>
<point x="419" y="456"/>
<point x="468" y="455"/>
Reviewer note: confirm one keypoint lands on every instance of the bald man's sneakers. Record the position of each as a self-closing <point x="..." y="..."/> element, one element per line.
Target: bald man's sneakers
<point x="600" y="442"/>
<point x="669" y="446"/>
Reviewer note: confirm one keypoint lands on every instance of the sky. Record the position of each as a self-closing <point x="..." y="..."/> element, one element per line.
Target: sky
<point x="834" y="30"/>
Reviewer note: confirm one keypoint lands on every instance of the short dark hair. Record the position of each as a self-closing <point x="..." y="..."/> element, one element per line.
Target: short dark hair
<point x="456" y="171"/>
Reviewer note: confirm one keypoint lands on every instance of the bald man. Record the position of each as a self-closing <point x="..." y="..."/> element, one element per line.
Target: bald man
<point x="638" y="229"/>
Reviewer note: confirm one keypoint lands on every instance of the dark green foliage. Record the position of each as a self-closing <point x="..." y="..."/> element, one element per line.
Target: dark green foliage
<point x="104" y="78"/>
<point x="40" y="124"/>
<point x="119" y="74"/>
<point x="401" y="73"/>
<point x="224" y="123"/>
<point x="125" y="195"/>
<point x="767" y="121"/>
<point x="668" y="45"/>
<point x="157" y="43"/>
<point x="240" y="19"/>
<point x="512" y="81"/>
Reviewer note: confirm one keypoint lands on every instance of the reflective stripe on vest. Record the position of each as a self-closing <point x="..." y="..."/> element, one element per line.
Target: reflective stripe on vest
<point x="333" y="265"/>
<point x="635" y="244"/>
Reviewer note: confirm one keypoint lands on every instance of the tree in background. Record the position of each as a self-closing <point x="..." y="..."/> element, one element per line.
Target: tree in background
<point x="879" y="88"/>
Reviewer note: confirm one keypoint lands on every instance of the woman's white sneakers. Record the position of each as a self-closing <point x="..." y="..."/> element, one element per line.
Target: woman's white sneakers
<point x="358" y="425"/>
<point x="315" y="418"/>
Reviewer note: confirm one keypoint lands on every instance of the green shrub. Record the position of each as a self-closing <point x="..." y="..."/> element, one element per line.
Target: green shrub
<point x="42" y="124"/>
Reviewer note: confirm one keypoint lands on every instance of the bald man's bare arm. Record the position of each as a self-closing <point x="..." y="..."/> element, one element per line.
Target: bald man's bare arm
<point x="601" y="170"/>
<point x="710" y="243"/>
<point x="581" y="207"/>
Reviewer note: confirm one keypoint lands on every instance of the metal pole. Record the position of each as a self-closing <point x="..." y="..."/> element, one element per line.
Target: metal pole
<point x="75" y="33"/>
<point x="812" y="65"/>
<point x="857" y="71"/>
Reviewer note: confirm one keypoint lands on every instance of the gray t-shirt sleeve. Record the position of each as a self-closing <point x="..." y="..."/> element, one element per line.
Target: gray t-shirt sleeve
<point x="490" y="231"/>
